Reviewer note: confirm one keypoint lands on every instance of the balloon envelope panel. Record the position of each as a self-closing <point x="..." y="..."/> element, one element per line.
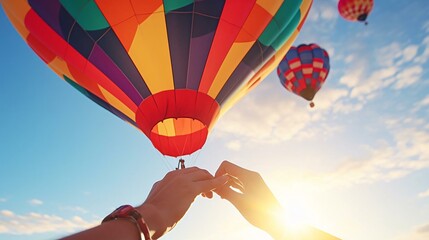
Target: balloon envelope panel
<point x="171" y="67"/>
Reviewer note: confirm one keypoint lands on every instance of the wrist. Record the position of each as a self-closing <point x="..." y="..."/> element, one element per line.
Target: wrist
<point x="132" y="214"/>
<point x="153" y="219"/>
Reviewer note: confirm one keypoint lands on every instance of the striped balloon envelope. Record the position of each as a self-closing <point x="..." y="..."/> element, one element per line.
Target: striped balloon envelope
<point x="171" y="68"/>
<point x="355" y="10"/>
<point x="304" y="69"/>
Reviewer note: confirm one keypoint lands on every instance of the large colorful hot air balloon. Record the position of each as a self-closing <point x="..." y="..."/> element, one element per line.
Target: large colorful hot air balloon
<point x="171" y="67"/>
<point x="304" y="69"/>
<point x="355" y="10"/>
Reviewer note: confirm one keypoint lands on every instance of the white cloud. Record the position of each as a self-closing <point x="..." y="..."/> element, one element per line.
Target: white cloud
<point x="35" y="202"/>
<point x="327" y="96"/>
<point x="376" y="81"/>
<point x="328" y="13"/>
<point x="234" y="145"/>
<point x="418" y="233"/>
<point x="421" y="104"/>
<point x="424" y="194"/>
<point x="424" y="56"/>
<point x="354" y="75"/>
<point x="349" y="58"/>
<point x="347" y="107"/>
<point x="323" y="10"/>
<point x="74" y="209"/>
<point x="408" y="77"/>
<point x="32" y="223"/>
<point x="425" y="101"/>
<point x="281" y="117"/>
<point x="392" y="69"/>
<point x="264" y="121"/>
<point x="387" y="161"/>
<point x="387" y="55"/>
<point x="423" y="228"/>
<point x="6" y="213"/>
<point x="3" y="199"/>
<point x="410" y="52"/>
<point x="396" y="54"/>
<point x="426" y="26"/>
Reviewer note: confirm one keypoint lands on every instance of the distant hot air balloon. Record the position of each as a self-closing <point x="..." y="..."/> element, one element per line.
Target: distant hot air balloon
<point x="304" y="70"/>
<point x="170" y="67"/>
<point x="355" y="10"/>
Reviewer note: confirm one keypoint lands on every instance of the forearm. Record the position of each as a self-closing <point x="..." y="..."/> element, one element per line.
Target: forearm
<point x="120" y="229"/>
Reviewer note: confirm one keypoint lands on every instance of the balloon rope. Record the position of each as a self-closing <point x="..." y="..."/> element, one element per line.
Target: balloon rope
<point x="194" y="160"/>
<point x="186" y="141"/>
<point x="168" y="139"/>
<point x="164" y="160"/>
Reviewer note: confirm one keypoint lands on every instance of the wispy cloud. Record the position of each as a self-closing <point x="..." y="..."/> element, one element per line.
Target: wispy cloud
<point x="407" y="153"/>
<point x="423" y="228"/>
<point x="234" y="145"/>
<point x="370" y="86"/>
<point x="32" y="223"/>
<point x="421" y="104"/>
<point x="278" y="118"/>
<point x="426" y="26"/>
<point x="420" y="232"/>
<point x="273" y="121"/>
<point x="74" y="209"/>
<point x="394" y="68"/>
<point x="323" y="10"/>
<point x="424" y="56"/>
<point x="3" y="200"/>
<point x="35" y="202"/>
<point x="424" y="194"/>
<point x="408" y="77"/>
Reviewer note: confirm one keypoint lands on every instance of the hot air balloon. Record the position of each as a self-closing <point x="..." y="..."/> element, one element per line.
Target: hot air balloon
<point x="170" y="68"/>
<point x="303" y="70"/>
<point x="355" y="10"/>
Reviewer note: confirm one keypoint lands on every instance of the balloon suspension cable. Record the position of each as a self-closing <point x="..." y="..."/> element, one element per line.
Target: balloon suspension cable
<point x="366" y="23"/>
<point x="181" y="164"/>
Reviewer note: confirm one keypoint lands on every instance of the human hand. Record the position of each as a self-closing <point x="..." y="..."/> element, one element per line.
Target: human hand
<point x="256" y="202"/>
<point x="172" y="196"/>
<point x="258" y="205"/>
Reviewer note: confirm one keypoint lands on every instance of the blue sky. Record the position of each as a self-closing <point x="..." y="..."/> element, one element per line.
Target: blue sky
<point x="356" y="165"/>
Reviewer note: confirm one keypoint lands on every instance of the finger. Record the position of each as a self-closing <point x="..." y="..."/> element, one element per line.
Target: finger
<point x="199" y="175"/>
<point x="208" y="195"/>
<point x="174" y="173"/>
<point x="236" y="182"/>
<point x="232" y="169"/>
<point x="188" y="170"/>
<point x="208" y="185"/>
<point x="227" y="193"/>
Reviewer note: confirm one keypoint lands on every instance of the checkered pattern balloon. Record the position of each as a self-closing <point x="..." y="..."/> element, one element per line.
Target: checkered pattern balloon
<point x="355" y="10"/>
<point x="304" y="69"/>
